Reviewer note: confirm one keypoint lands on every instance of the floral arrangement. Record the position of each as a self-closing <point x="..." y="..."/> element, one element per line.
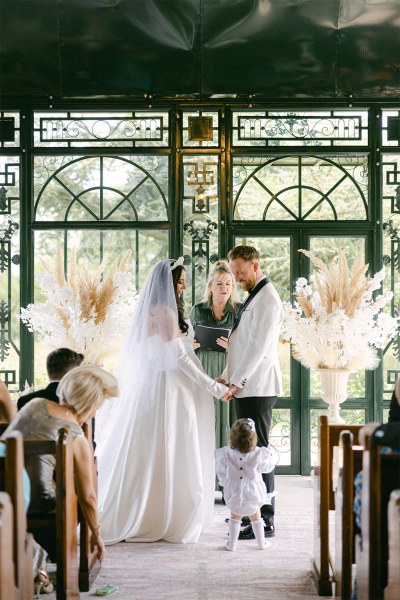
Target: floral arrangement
<point x="335" y="322"/>
<point x="84" y="311"/>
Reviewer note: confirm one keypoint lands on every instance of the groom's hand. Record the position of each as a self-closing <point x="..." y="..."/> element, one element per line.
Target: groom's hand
<point x="221" y="380"/>
<point x="233" y="389"/>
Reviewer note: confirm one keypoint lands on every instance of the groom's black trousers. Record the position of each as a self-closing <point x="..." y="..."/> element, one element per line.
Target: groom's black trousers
<point x="259" y="408"/>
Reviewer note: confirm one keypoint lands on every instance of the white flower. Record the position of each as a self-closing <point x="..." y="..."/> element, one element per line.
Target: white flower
<point x="87" y="313"/>
<point x="335" y="322"/>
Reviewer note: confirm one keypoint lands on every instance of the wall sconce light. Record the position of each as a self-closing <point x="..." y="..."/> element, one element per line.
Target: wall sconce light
<point x="200" y="197"/>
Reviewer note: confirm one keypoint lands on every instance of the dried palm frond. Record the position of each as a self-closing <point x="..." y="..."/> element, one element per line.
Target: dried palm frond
<point x="85" y="310"/>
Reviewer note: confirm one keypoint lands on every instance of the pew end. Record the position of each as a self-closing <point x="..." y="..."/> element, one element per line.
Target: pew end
<point x="322" y="566"/>
<point x="7" y="587"/>
<point x="59" y="530"/>
<point x="381" y="475"/>
<point x="350" y="463"/>
<point x="392" y="590"/>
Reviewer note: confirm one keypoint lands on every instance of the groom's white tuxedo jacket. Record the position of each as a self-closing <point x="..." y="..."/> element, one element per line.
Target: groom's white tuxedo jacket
<point x="253" y="364"/>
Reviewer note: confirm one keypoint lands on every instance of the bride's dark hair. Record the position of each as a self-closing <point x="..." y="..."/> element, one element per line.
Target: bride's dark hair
<point x="176" y="275"/>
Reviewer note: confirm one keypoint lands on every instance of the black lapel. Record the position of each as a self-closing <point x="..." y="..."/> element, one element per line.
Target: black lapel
<point x="249" y="298"/>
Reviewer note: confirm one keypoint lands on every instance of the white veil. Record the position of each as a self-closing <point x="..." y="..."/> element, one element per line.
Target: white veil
<point x="150" y="347"/>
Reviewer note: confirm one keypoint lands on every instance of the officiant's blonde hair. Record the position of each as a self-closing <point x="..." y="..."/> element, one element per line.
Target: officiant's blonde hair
<point x="221" y="267"/>
<point x="84" y="389"/>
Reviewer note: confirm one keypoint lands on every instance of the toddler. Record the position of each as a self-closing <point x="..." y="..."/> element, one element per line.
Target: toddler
<point x="239" y="468"/>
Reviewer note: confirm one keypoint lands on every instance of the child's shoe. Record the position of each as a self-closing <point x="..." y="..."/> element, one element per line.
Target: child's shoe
<point x="231" y="547"/>
<point x="264" y="546"/>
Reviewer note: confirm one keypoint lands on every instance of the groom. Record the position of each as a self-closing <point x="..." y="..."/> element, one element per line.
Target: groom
<point x="252" y="371"/>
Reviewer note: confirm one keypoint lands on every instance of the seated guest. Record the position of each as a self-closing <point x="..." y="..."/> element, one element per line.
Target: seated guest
<point x="82" y="391"/>
<point x="394" y="408"/>
<point x="386" y="435"/>
<point x="58" y="363"/>
<point x="7" y="408"/>
<point x="39" y="569"/>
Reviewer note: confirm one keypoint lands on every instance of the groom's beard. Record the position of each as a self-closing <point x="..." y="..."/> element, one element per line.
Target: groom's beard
<point x="247" y="285"/>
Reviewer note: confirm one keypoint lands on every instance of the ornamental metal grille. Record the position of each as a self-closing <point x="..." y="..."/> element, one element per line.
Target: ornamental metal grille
<point x="300" y="188"/>
<point x="101" y="188"/>
<point x="390" y="128"/>
<point x="201" y="184"/>
<point x="9" y="269"/>
<point x="71" y="129"/>
<point x="186" y="142"/>
<point x="9" y="129"/>
<point x="281" y="128"/>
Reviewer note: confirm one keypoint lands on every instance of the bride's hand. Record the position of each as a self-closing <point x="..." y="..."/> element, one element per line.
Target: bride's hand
<point x="227" y="396"/>
<point x="196" y="344"/>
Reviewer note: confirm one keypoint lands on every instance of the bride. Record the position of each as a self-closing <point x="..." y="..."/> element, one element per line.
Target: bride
<point x="155" y="445"/>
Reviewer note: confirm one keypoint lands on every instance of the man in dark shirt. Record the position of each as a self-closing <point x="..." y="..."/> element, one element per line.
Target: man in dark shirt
<point x="58" y="363"/>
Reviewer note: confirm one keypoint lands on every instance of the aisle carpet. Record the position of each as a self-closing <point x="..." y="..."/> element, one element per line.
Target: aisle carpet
<point x="206" y="571"/>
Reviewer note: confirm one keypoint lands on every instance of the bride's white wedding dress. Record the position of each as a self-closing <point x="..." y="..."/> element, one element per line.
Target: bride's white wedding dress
<point x="156" y="472"/>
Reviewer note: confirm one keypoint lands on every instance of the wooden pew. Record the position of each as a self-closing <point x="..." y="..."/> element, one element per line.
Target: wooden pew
<point x="11" y="481"/>
<point x="89" y="565"/>
<point x="59" y="530"/>
<point x="381" y="475"/>
<point x="7" y="585"/>
<point x="350" y="463"/>
<point x="321" y="563"/>
<point x="392" y="590"/>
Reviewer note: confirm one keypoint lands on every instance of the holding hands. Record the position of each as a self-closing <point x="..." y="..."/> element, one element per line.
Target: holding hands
<point x="230" y="391"/>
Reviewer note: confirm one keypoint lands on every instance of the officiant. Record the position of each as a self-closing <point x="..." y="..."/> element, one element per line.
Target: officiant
<point x="217" y="310"/>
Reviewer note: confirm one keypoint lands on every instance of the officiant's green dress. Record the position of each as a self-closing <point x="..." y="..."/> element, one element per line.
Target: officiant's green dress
<point x="214" y="362"/>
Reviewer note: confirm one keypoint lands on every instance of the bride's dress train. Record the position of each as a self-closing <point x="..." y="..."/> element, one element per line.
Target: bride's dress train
<point x="156" y="472"/>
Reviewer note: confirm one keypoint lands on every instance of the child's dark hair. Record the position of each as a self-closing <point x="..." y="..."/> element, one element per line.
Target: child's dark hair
<point x="176" y="275"/>
<point x="242" y="436"/>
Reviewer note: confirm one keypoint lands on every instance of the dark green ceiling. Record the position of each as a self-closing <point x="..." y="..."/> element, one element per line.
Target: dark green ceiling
<point x="199" y="48"/>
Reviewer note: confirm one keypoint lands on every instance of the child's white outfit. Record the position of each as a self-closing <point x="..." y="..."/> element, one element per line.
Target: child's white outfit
<point x="240" y="474"/>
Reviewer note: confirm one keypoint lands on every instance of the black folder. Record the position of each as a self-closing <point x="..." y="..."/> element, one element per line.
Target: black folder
<point x="207" y="336"/>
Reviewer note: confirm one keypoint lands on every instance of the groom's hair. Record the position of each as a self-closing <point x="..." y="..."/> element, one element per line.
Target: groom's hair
<point x="247" y="253"/>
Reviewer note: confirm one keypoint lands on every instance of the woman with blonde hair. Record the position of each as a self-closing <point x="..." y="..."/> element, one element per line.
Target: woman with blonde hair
<point x="218" y="309"/>
<point x="81" y="391"/>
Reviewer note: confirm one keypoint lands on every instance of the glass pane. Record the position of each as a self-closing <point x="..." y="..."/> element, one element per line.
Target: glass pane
<point x="350" y="416"/>
<point x="10" y="270"/>
<point x="92" y="246"/>
<point x="280" y="435"/>
<point x="131" y="188"/>
<point x="326" y="248"/>
<point x="311" y="188"/>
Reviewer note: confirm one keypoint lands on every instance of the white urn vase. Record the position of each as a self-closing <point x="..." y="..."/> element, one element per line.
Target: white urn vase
<point x="334" y="391"/>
